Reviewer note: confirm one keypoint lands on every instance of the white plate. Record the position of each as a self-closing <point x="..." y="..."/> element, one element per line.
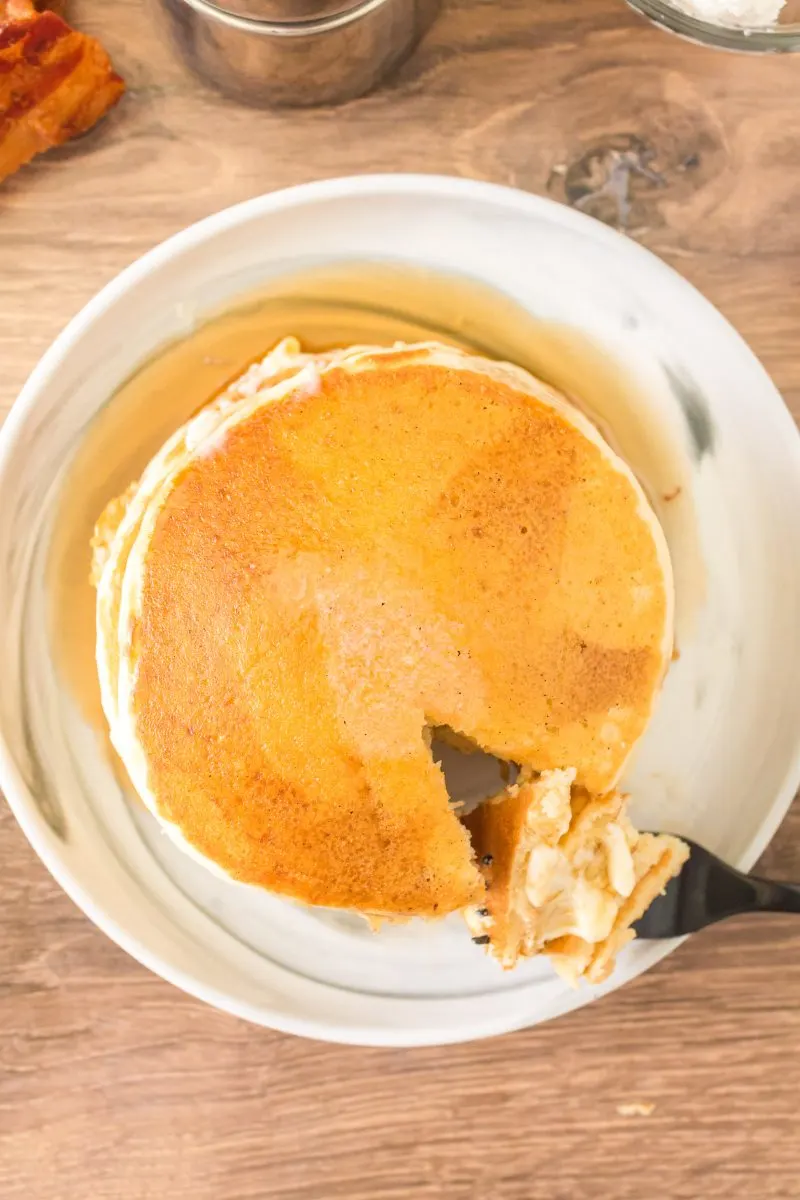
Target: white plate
<point x="722" y="759"/>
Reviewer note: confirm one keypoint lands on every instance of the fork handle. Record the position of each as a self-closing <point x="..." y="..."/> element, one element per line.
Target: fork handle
<point x="720" y="891"/>
<point x="770" y="896"/>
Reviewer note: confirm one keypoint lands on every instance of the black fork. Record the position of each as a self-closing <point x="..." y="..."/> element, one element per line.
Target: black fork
<point x="708" y="890"/>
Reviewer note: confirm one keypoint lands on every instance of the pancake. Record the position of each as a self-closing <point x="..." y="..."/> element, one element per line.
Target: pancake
<point x="341" y="553"/>
<point x="566" y="875"/>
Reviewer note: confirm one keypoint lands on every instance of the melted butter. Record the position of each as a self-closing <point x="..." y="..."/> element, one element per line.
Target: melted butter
<point x="325" y="308"/>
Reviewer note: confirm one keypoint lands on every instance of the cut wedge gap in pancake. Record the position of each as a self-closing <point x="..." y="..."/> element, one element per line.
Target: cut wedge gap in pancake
<point x="471" y="774"/>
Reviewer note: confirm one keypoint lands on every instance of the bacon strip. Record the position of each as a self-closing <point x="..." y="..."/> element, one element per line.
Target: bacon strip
<point x="55" y="83"/>
<point x="16" y="10"/>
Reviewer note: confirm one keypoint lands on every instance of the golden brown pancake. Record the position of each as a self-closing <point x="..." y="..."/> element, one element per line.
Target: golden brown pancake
<point x="566" y="875"/>
<point x="320" y="572"/>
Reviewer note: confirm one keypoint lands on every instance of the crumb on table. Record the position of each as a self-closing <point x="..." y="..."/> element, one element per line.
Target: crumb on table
<point x="637" y="1108"/>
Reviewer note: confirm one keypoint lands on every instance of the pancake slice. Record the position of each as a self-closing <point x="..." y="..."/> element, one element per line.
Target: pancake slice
<point x="566" y="875"/>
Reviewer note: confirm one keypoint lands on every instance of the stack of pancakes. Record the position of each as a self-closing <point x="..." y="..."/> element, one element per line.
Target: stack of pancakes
<point x="343" y="552"/>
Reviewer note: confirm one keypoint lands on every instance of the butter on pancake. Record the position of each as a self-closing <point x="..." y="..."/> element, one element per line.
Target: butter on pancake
<point x="342" y="552"/>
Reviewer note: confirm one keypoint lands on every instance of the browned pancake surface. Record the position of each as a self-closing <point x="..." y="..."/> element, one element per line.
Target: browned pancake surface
<point x="411" y="546"/>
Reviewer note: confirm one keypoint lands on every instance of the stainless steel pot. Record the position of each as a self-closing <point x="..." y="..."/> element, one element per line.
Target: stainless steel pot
<point x="296" y="52"/>
<point x="284" y="10"/>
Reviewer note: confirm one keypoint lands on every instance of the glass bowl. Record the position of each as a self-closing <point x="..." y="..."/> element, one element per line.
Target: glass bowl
<point x="782" y="37"/>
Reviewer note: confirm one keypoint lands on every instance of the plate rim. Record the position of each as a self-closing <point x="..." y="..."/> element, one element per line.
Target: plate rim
<point x="19" y="797"/>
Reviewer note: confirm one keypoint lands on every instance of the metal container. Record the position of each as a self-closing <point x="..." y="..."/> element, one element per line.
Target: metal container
<point x="296" y="52"/>
<point x="284" y="10"/>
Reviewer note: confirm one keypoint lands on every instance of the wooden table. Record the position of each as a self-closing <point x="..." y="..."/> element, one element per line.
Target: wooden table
<point x="114" y="1084"/>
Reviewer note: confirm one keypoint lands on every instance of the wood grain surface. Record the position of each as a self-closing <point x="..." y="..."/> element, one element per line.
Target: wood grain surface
<point x="115" y="1085"/>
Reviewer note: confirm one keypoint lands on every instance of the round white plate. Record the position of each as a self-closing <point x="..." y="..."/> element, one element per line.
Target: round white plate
<point x="721" y="761"/>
